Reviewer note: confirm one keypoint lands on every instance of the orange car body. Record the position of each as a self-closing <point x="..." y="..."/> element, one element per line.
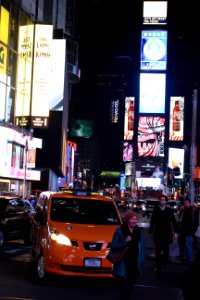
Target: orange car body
<point x="74" y="234"/>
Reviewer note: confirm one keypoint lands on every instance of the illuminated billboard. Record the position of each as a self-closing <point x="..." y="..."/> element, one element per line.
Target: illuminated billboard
<point x="24" y="75"/>
<point x="4" y="26"/>
<point x="176" y="162"/>
<point x="81" y="128"/>
<point x="153" y="54"/>
<point x="176" y="119"/>
<point x="129" y="118"/>
<point x="12" y="155"/>
<point x="114" y="111"/>
<point x="56" y="88"/>
<point x="127" y="151"/>
<point x="151" y="136"/>
<point x="41" y="75"/>
<point x="155" y="12"/>
<point x="152" y="93"/>
<point x="149" y="169"/>
<point x="128" y="169"/>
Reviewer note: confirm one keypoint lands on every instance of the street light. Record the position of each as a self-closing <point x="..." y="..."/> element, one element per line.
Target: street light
<point x="27" y="137"/>
<point x="25" y="168"/>
<point x="193" y="144"/>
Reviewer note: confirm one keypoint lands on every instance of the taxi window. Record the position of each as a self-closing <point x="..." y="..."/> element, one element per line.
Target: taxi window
<point x="15" y="206"/>
<point x="84" y="211"/>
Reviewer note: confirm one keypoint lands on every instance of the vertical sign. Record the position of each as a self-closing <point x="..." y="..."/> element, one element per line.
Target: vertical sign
<point x="114" y="111"/>
<point x="24" y="72"/>
<point x="41" y="75"/>
<point x="56" y="90"/>
<point x="176" y="121"/>
<point x="129" y="118"/>
<point x="4" y="22"/>
<point x="4" y="25"/>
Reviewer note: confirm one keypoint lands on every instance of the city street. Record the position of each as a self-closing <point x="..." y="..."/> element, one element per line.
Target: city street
<point x="16" y="282"/>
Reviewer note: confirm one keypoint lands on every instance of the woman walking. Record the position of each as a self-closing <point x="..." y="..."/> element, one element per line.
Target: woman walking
<point x="127" y="271"/>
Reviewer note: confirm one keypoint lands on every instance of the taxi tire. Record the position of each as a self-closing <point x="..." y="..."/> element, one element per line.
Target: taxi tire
<point x="2" y="239"/>
<point x="37" y="271"/>
<point x="28" y="238"/>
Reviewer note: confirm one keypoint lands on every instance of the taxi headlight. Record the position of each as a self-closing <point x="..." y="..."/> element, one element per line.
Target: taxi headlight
<point x="143" y="207"/>
<point x="61" y="239"/>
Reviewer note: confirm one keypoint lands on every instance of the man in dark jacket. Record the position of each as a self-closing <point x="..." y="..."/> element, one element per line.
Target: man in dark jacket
<point x="164" y="227"/>
<point x="188" y="223"/>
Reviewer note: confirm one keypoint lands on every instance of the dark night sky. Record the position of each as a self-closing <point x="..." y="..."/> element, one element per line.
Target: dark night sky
<point x="104" y="26"/>
<point x="107" y="28"/>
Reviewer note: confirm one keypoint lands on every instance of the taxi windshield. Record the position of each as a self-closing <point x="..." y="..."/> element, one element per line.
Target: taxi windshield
<point x="83" y="211"/>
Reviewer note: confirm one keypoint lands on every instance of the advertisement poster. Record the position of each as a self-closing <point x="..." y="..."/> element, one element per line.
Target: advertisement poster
<point x="176" y="162"/>
<point x="127" y="151"/>
<point x="155" y="12"/>
<point x="152" y="93"/>
<point x="153" y="50"/>
<point x="151" y="135"/>
<point x="129" y="118"/>
<point x="176" y="119"/>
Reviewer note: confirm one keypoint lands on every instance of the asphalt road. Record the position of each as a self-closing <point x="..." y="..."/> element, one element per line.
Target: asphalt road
<point x="15" y="282"/>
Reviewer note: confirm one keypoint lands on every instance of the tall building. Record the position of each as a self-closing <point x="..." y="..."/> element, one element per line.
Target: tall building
<point x="167" y="70"/>
<point x="39" y="64"/>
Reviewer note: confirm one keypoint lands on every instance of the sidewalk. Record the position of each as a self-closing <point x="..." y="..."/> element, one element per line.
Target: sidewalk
<point x="168" y="284"/>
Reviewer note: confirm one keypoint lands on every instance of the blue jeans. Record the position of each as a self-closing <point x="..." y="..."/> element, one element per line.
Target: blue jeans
<point x="185" y="247"/>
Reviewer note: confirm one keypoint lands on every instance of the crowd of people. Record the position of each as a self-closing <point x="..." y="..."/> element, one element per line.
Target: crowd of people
<point x="164" y="229"/>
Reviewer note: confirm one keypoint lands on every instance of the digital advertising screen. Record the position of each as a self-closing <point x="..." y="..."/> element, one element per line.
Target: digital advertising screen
<point x="56" y="87"/>
<point x="153" y="54"/>
<point x="129" y="118"/>
<point x="176" y="162"/>
<point x="149" y="169"/>
<point x="151" y="136"/>
<point x="128" y="169"/>
<point x="127" y="151"/>
<point x="176" y="119"/>
<point x="24" y="73"/>
<point x="155" y="12"/>
<point x="152" y="93"/>
<point x="82" y="128"/>
<point x="114" y="111"/>
<point x="41" y="80"/>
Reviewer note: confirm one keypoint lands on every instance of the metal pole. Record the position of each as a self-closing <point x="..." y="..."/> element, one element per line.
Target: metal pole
<point x="25" y="168"/>
<point x="193" y="144"/>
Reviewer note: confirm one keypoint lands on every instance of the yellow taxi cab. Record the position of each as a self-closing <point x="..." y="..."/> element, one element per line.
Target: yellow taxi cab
<point x="72" y="233"/>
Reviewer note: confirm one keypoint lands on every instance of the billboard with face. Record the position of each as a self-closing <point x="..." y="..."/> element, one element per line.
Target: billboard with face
<point x="151" y="135"/>
<point x="176" y="162"/>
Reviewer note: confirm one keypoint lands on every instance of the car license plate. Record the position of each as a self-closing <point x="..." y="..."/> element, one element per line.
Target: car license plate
<point x="92" y="262"/>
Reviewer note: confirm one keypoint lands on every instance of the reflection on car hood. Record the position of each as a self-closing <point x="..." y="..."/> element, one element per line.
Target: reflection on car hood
<point x="85" y="232"/>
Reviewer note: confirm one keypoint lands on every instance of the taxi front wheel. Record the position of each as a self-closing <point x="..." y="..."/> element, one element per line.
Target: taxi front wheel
<point x="37" y="269"/>
<point x="1" y="239"/>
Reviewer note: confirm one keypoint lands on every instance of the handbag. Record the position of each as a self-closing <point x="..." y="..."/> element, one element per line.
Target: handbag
<point x="197" y="232"/>
<point x="115" y="256"/>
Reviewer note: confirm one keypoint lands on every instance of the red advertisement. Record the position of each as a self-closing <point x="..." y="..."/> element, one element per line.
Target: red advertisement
<point x="151" y="134"/>
<point x="176" y="121"/>
<point x="129" y="118"/>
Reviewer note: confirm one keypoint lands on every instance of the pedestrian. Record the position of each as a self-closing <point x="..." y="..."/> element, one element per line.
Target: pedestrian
<point x="130" y="235"/>
<point x="188" y="223"/>
<point x="163" y="227"/>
